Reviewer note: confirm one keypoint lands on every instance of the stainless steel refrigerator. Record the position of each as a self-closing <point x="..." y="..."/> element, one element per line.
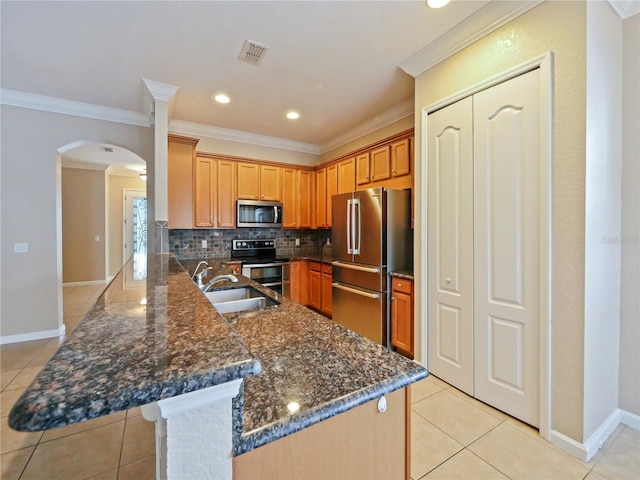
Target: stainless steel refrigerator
<point x="371" y="236"/>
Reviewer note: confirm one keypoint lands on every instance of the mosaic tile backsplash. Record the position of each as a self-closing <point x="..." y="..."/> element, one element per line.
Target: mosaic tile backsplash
<point x="187" y="244"/>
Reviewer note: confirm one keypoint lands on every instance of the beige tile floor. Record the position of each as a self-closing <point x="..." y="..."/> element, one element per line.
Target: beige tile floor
<point x="453" y="436"/>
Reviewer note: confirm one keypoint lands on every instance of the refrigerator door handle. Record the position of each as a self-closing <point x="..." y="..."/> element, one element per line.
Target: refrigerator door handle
<point x="356" y="226"/>
<point x="351" y="266"/>
<point x="354" y="290"/>
<point x="349" y="207"/>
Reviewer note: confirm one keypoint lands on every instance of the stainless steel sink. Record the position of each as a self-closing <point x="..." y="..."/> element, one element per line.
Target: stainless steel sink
<point x="217" y="296"/>
<point x="240" y="305"/>
<point x="239" y="299"/>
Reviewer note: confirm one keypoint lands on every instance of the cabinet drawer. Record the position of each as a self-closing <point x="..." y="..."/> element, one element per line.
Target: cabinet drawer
<point x="326" y="268"/>
<point x="401" y="285"/>
<point x="315" y="266"/>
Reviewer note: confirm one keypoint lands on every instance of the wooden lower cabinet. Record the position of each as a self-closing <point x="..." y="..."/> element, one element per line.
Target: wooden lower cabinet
<point x="359" y="443"/>
<point x="315" y="285"/>
<point x="402" y="328"/>
<point x="326" y="278"/>
<point x="299" y="281"/>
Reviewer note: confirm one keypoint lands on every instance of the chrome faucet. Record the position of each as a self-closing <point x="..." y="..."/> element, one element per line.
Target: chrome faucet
<point x="198" y="276"/>
<point x="216" y="279"/>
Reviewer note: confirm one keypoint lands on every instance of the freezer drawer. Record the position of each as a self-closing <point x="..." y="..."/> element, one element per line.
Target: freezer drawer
<point x="369" y="277"/>
<point x="363" y="311"/>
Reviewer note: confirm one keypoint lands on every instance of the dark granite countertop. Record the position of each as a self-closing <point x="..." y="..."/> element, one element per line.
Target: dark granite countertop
<point x="298" y="367"/>
<point x="408" y="274"/>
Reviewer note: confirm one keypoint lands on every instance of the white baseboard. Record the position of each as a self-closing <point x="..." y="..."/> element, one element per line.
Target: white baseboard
<point x="25" y="337"/>
<point x="585" y="451"/>
<point x="630" y="419"/>
<point x="88" y="283"/>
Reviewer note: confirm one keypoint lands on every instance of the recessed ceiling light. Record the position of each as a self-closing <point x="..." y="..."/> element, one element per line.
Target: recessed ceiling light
<point x="437" y="3"/>
<point x="222" y="98"/>
<point x="293" y="115"/>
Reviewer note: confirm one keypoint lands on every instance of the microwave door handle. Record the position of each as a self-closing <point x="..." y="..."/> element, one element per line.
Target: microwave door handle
<point x="275" y="212"/>
<point x="349" y="249"/>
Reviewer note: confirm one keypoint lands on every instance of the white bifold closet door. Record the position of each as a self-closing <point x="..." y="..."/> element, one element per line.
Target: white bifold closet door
<point x="483" y="245"/>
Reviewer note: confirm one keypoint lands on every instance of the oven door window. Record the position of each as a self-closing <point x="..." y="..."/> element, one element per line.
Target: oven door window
<point x="266" y="274"/>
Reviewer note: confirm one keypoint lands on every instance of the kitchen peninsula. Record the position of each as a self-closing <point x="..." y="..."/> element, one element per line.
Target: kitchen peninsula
<point x="148" y="342"/>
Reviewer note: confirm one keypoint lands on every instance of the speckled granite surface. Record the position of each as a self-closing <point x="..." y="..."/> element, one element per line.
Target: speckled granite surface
<point x="408" y="274"/>
<point x="124" y="354"/>
<point x="182" y="344"/>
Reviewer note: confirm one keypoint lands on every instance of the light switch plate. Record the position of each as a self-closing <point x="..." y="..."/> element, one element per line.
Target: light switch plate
<point x="20" y="247"/>
<point x="204" y="244"/>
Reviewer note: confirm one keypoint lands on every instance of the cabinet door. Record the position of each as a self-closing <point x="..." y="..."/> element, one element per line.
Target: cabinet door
<point x="270" y="183"/>
<point x="321" y="198"/>
<point x="248" y="181"/>
<point x="380" y="164"/>
<point x="362" y="169"/>
<point x="294" y="279"/>
<point x="181" y="158"/>
<point x="347" y="175"/>
<point x="226" y="194"/>
<point x="204" y="192"/>
<point x="332" y="189"/>
<point x="326" y="294"/>
<point x="315" y="295"/>
<point x="402" y="321"/>
<point x="304" y="198"/>
<point x="289" y="198"/>
<point x="400" y="158"/>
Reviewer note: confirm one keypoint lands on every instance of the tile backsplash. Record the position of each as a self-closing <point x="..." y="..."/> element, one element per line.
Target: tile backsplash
<point x="187" y="244"/>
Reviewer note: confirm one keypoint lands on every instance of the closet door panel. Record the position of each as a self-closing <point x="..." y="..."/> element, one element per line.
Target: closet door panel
<point x="450" y="245"/>
<point x="506" y="252"/>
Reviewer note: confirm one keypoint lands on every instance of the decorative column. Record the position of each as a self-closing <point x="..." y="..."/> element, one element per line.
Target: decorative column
<point x="194" y="433"/>
<point x="161" y="96"/>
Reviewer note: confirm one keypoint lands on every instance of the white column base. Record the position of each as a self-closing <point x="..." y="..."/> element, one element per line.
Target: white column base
<point x="194" y="433"/>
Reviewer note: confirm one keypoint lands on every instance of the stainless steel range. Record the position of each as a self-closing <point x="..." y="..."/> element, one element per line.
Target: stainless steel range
<point x="260" y="263"/>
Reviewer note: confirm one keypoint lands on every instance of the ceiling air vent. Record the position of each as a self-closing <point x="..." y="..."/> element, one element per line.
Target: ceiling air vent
<point x="252" y="52"/>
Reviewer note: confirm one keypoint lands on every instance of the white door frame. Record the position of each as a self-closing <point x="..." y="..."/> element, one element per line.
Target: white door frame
<point x="126" y="216"/>
<point x="545" y="63"/>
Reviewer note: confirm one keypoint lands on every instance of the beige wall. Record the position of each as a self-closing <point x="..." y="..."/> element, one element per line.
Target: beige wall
<point x="83" y="225"/>
<point x="559" y="27"/>
<point x="630" y="281"/>
<point x="116" y="185"/>
<point x="28" y="195"/>
<point x="387" y="131"/>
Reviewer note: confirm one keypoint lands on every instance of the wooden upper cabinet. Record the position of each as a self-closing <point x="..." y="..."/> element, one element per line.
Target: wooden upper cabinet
<point x="181" y="159"/>
<point x="297" y="196"/>
<point x="380" y="164"/>
<point x="204" y="193"/>
<point x="248" y="181"/>
<point x="305" y="182"/>
<point x="400" y="158"/>
<point x="270" y="183"/>
<point x="332" y="189"/>
<point x="362" y="168"/>
<point x="289" y="199"/>
<point x="321" y="199"/>
<point x="347" y="175"/>
<point x="226" y="193"/>
<point x="259" y="182"/>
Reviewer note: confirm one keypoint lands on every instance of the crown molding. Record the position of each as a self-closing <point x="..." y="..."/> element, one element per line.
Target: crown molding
<point x="160" y="91"/>
<point x="387" y="117"/>
<point x="44" y="103"/>
<point x="483" y="22"/>
<point x="181" y="127"/>
<point x="625" y="8"/>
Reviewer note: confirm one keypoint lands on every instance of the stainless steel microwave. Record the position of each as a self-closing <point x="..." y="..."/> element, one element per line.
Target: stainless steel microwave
<point x="256" y="213"/>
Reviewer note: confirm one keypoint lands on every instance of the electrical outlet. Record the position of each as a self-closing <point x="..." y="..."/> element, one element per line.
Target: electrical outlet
<point x="297" y="242"/>
<point x="204" y="244"/>
<point x="20" y="247"/>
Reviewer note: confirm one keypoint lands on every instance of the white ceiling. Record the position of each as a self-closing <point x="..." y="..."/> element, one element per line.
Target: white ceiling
<point x="336" y="62"/>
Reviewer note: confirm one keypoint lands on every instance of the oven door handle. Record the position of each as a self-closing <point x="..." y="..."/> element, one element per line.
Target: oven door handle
<point x="261" y="265"/>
